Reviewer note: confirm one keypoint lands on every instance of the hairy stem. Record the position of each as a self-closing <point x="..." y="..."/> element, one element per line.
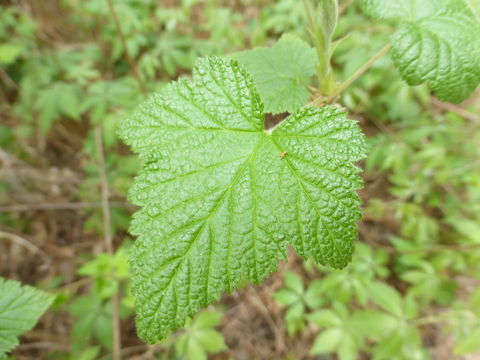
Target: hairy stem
<point x="322" y="21"/>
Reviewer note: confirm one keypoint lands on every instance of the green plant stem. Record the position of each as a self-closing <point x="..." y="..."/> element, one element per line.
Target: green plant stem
<point x="430" y="319"/>
<point x="321" y="30"/>
<point x="351" y="79"/>
<point x="128" y="57"/>
<point x="116" y="343"/>
<point x="358" y="73"/>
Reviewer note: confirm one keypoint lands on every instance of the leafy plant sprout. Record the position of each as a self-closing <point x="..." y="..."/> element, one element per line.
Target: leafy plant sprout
<point x="221" y="198"/>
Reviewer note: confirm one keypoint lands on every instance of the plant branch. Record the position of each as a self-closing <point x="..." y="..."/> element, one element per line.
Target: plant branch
<point x="25" y="243"/>
<point x="358" y="73"/>
<point x="457" y="110"/>
<point x="429" y="250"/>
<point x="108" y="239"/>
<point x="354" y="77"/>
<point x="60" y="206"/>
<point x="129" y="58"/>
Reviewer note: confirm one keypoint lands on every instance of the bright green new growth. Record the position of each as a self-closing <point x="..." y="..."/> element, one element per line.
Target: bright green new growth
<point x="20" y="309"/>
<point x="281" y="73"/>
<point x="437" y="42"/>
<point x="222" y="198"/>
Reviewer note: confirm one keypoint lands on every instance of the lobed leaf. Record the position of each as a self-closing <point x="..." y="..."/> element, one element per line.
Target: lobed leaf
<point x="221" y="197"/>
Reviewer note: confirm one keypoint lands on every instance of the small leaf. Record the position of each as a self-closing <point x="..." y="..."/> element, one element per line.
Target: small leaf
<point x="281" y="73"/>
<point x="20" y="309"/>
<point x="212" y="341"/>
<point x="286" y="297"/>
<point x="387" y="298"/>
<point x="325" y="318"/>
<point x="373" y="324"/>
<point x="327" y="341"/>
<point x="293" y="282"/>
<point x="219" y="203"/>
<point x="207" y="319"/>
<point x="294" y="318"/>
<point x="347" y="350"/>
<point x="469" y="343"/>
<point x="9" y="53"/>
<point x="389" y="347"/>
<point x="195" y="350"/>
<point x="90" y="353"/>
<point x="314" y="296"/>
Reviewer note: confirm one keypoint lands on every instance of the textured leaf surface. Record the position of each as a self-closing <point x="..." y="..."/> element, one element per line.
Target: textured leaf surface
<point x="437" y="42"/>
<point x="281" y="73"/>
<point x="20" y="308"/>
<point x="220" y="203"/>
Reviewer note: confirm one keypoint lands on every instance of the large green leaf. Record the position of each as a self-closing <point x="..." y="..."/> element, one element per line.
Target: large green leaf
<point x="222" y="197"/>
<point x="437" y="42"/>
<point x="20" y="308"/>
<point x="281" y="72"/>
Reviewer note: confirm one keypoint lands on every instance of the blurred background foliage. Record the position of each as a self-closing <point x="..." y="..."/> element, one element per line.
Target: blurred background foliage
<point x="68" y="77"/>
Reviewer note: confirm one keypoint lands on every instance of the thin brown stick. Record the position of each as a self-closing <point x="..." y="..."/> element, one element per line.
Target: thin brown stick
<point x="25" y="243"/>
<point x="7" y="79"/>
<point x="279" y="338"/>
<point x="428" y="250"/>
<point x="129" y="58"/>
<point x="44" y="345"/>
<point x="457" y="110"/>
<point x="59" y="206"/>
<point x="108" y="239"/>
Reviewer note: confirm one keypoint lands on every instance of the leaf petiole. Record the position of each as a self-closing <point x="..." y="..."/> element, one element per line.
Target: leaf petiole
<point x="340" y="88"/>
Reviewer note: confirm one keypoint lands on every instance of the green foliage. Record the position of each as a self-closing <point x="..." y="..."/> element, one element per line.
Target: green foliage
<point x="297" y="299"/>
<point x="411" y="284"/>
<point x="107" y="271"/>
<point x="20" y="309"/>
<point x="381" y="315"/>
<point x="93" y="317"/>
<point x="281" y="73"/>
<point x="200" y="337"/>
<point x="338" y="335"/>
<point x="206" y="137"/>
<point x="436" y="42"/>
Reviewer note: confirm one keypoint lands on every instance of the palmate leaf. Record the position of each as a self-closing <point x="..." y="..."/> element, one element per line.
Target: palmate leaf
<point x="437" y="42"/>
<point x="281" y="73"/>
<point x="20" y="308"/>
<point x="221" y="197"/>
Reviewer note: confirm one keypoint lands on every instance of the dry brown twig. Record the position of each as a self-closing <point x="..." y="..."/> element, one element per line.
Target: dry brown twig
<point x="108" y="239"/>
<point x="59" y="206"/>
<point x="259" y="303"/>
<point x="457" y="110"/>
<point x="26" y="244"/>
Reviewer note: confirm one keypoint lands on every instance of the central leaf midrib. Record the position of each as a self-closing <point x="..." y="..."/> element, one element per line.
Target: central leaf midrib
<point x="307" y="194"/>
<point x="202" y="227"/>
